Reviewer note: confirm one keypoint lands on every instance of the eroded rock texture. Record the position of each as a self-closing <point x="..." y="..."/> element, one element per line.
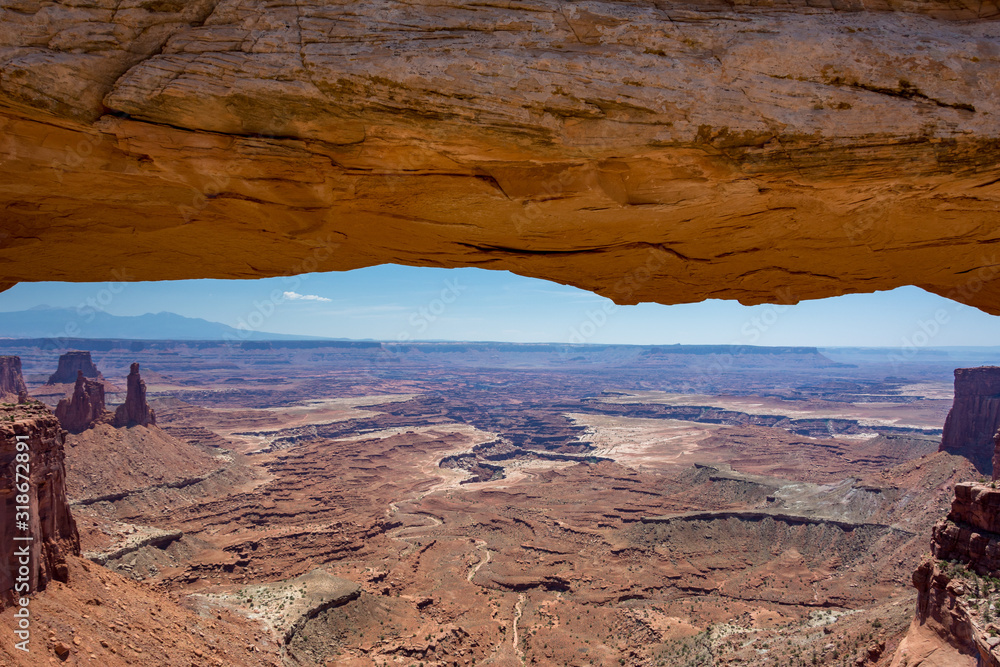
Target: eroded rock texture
<point x="974" y="417"/>
<point x="649" y="151"/>
<point x="951" y="600"/>
<point x="85" y="407"/>
<point x="73" y="363"/>
<point x="51" y="525"/>
<point x="11" y="380"/>
<point x="135" y="411"/>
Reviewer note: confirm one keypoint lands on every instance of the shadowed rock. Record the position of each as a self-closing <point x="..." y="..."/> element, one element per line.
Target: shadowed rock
<point x="11" y="380"/>
<point x="51" y="524"/>
<point x="974" y="417"/>
<point x="135" y="411"/>
<point x="85" y="408"/>
<point x="71" y="363"/>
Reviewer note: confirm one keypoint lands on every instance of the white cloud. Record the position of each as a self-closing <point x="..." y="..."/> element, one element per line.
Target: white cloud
<point x="295" y="296"/>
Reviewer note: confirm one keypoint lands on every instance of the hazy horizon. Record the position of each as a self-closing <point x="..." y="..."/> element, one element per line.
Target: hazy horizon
<point x="392" y="303"/>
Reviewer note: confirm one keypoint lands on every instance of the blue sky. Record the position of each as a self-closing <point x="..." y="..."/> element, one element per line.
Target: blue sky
<point x="404" y="303"/>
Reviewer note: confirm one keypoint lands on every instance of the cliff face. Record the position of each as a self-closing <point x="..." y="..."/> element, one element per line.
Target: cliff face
<point x="11" y="380"/>
<point x="135" y="410"/>
<point x="85" y="408"/>
<point x="72" y="363"/>
<point x="648" y="151"/>
<point x="51" y="526"/>
<point x="974" y="417"/>
<point x="954" y="605"/>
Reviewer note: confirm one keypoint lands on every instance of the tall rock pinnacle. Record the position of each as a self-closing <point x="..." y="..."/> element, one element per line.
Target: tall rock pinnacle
<point x="135" y="410"/>
<point x="85" y="407"/>
<point x="11" y="380"/>
<point x="33" y="430"/>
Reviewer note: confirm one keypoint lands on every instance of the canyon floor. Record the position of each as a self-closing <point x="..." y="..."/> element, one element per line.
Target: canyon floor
<point x="499" y="504"/>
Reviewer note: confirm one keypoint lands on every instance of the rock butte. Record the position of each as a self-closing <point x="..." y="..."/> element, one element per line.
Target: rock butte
<point x="974" y="417"/>
<point x="73" y="363"/>
<point x="648" y="151"/>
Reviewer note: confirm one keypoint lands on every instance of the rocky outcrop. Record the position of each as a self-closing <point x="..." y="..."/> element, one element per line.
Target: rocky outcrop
<point x="952" y="602"/>
<point x="85" y="407"/>
<point x="971" y="532"/>
<point x="72" y="363"/>
<point x="647" y="151"/>
<point x="974" y="417"/>
<point x="50" y="525"/>
<point x="996" y="456"/>
<point x="135" y="411"/>
<point x="11" y="380"/>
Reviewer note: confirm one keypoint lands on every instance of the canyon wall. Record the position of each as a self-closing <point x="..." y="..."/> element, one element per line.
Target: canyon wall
<point x="956" y="610"/>
<point x="648" y="151"/>
<point x="50" y="524"/>
<point x="974" y="417"/>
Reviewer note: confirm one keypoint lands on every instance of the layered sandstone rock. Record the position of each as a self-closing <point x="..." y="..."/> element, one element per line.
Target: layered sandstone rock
<point x="85" y="407"/>
<point x="648" y="151"/>
<point x="974" y="417"/>
<point x="11" y="380"/>
<point x="72" y="363"/>
<point x="971" y="532"/>
<point x="951" y="604"/>
<point x="51" y="526"/>
<point x="135" y="411"/>
<point x="996" y="456"/>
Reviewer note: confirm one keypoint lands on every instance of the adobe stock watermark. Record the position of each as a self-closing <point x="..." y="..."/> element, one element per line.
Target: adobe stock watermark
<point x="87" y="310"/>
<point x="421" y="320"/>
<point x="928" y="328"/>
<point x="596" y="319"/>
<point x="264" y="309"/>
<point x="22" y="542"/>
<point x="212" y="185"/>
<point x="751" y="332"/>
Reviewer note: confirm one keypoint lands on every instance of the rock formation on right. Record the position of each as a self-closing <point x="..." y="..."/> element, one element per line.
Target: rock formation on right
<point x="135" y="411"/>
<point x="956" y="600"/>
<point x="974" y="417"/>
<point x="72" y="362"/>
<point x="85" y="407"/>
<point x="11" y="380"/>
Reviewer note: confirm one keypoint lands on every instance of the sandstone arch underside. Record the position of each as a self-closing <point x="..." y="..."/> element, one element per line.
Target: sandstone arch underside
<point x="648" y="151"/>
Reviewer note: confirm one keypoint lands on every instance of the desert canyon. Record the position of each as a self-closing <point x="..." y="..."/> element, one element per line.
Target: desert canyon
<point x="352" y="503"/>
<point x="290" y="503"/>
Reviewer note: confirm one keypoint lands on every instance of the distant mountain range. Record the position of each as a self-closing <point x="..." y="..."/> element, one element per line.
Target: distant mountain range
<point x="47" y="322"/>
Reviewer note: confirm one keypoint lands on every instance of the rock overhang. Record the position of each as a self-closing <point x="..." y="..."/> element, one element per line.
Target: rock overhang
<point x="665" y="152"/>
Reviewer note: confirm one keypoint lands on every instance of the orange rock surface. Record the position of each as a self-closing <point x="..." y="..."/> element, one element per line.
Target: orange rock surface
<point x="645" y="151"/>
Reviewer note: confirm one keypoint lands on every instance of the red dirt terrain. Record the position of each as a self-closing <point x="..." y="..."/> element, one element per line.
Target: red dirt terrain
<point x="483" y="504"/>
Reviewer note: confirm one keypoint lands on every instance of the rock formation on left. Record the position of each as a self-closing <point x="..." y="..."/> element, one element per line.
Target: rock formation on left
<point x="135" y="411"/>
<point x="11" y="380"/>
<point x="50" y="523"/>
<point x="85" y="407"/>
